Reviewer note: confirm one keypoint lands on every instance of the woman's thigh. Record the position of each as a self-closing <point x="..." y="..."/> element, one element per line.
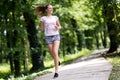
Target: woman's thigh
<point x="56" y="46"/>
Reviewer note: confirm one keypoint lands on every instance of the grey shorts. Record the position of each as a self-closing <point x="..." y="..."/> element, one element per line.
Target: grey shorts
<point x="51" y="39"/>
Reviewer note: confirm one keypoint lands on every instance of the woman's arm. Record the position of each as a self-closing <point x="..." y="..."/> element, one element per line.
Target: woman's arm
<point x="42" y="25"/>
<point x="58" y="26"/>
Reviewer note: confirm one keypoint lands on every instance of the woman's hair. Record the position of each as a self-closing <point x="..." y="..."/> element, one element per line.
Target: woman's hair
<point x="40" y="10"/>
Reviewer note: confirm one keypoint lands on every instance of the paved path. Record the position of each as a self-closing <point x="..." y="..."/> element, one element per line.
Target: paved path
<point x="91" y="67"/>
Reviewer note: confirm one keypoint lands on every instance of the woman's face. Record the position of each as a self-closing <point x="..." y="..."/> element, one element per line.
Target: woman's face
<point x="49" y="9"/>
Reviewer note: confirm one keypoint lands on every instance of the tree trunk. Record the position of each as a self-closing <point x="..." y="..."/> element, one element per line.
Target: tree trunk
<point x="16" y="55"/>
<point x="78" y="32"/>
<point x="35" y="45"/>
<point x="0" y="57"/>
<point x="14" y="39"/>
<point x="97" y="40"/>
<point x="89" y="39"/>
<point x="17" y="63"/>
<point x="112" y="36"/>
<point x="112" y="27"/>
<point x="104" y="37"/>
<point x="25" y="61"/>
<point x="9" y="45"/>
<point x="10" y="57"/>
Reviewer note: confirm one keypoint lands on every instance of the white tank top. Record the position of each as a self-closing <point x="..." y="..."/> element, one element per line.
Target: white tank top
<point x="49" y="25"/>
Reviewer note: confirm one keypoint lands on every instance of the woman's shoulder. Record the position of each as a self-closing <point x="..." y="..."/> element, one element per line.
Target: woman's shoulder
<point x="55" y="16"/>
<point x="43" y="17"/>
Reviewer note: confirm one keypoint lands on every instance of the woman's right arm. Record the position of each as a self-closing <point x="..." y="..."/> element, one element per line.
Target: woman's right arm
<point x="41" y="25"/>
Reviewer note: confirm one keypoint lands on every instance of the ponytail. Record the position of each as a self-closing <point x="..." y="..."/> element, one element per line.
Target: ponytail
<point x="40" y="10"/>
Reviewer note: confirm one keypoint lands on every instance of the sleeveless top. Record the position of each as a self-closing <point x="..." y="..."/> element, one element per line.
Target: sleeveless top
<point x="49" y="25"/>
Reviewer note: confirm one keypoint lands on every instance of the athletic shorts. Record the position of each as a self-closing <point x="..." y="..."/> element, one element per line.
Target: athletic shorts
<point x="51" y="39"/>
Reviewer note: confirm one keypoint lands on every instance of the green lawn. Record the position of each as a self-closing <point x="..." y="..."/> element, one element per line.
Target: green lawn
<point x="115" y="74"/>
<point x="4" y="68"/>
<point x="67" y="58"/>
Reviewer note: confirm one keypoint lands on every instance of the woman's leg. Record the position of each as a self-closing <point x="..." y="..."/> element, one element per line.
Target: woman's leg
<point x="53" y="48"/>
<point x="55" y="54"/>
<point x="50" y="47"/>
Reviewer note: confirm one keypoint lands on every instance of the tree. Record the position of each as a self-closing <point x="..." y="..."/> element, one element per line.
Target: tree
<point x="110" y="13"/>
<point x="78" y="32"/>
<point x="35" y="45"/>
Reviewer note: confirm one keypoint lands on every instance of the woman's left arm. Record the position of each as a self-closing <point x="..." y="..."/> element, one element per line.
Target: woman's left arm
<point x="58" y="26"/>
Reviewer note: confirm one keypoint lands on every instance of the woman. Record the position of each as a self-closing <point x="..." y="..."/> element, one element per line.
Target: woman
<point x="50" y="25"/>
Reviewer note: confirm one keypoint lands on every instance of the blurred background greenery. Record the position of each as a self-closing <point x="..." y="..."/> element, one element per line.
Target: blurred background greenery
<point x="86" y="25"/>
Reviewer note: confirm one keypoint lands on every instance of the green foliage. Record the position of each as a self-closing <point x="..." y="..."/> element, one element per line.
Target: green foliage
<point x="90" y="28"/>
<point x="67" y="58"/>
<point x="13" y="34"/>
<point x="30" y="76"/>
<point x="115" y="74"/>
<point x="4" y="70"/>
<point x="49" y="64"/>
<point x="7" y="26"/>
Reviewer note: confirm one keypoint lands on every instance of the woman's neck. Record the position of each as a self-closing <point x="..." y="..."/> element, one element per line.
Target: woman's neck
<point x="49" y="15"/>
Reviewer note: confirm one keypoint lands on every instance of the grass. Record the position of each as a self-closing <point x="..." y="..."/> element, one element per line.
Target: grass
<point x="48" y="64"/>
<point x="115" y="61"/>
<point x="4" y="70"/>
<point x="67" y="58"/>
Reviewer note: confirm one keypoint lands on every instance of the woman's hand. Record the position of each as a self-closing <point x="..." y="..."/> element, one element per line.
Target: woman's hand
<point x="57" y="27"/>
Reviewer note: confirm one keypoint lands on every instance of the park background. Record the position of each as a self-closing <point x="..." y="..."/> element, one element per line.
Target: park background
<point x="87" y="25"/>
